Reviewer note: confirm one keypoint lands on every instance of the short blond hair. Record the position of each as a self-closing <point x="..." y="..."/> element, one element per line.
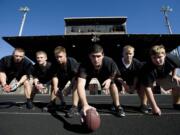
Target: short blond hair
<point x="128" y="47"/>
<point x="157" y="49"/>
<point x="59" y="49"/>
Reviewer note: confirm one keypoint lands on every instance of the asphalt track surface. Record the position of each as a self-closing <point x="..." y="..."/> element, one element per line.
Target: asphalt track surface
<point x="15" y="119"/>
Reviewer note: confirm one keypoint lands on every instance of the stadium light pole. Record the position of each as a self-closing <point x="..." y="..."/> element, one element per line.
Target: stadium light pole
<point x="24" y="10"/>
<point x="166" y="10"/>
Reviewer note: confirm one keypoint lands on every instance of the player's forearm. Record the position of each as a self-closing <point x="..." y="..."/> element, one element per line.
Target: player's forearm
<point x="55" y="83"/>
<point x="3" y="78"/>
<point x="81" y="92"/>
<point x="150" y="97"/>
<point x="82" y="97"/>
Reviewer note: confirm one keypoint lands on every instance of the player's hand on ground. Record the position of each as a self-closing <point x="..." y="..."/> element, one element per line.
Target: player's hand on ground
<point x="87" y="107"/>
<point x="156" y="111"/>
<point x="83" y="111"/>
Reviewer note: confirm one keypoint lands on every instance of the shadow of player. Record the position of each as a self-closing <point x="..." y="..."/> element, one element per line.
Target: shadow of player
<point x="5" y="105"/>
<point x="77" y="128"/>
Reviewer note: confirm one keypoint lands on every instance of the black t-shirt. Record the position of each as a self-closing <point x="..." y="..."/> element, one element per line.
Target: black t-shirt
<point x="129" y="74"/>
<point x="66" y="72"/>
<point x="15" y="70"/>
<point x="151" y="73"/>
<point x="43" y="73"/>
<point x="108" y="69"/>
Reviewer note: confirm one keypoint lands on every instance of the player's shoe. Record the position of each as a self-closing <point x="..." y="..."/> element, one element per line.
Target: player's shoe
<point x="145" y="109"/>
<point x="29" y="104"/>
<point x="73" y="111"/>
<point x="120" y="111"/>
<point x="50" y="106"/>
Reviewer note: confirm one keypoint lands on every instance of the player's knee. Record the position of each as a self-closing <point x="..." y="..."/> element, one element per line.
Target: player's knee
<point x="27" y="83"/>
<point x="56" y="92"/>
<point x="113" y="87"/>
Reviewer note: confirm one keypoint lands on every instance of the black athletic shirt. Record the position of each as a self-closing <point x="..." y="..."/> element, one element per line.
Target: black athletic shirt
<point x="67" y="72"/>
<point x="14" y="70"/>
<point x="43" y="73"/>
<point x="129" y="74"/>
<point x="151" y="73"/>
<point x="109" y="69"/>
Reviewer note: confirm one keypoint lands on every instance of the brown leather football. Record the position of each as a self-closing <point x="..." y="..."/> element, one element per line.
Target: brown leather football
<point x="92" y="119"/>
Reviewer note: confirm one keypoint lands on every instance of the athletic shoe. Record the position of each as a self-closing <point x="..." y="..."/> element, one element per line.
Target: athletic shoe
<point x="145" y="109"/>
<point x="120" y="111"/>
<point x="112" y="108"/>
<point x="29" y="104"/>
<point x="62" y="106"/>
<point x="73" y="111"/>
<point x="50" y="106"/>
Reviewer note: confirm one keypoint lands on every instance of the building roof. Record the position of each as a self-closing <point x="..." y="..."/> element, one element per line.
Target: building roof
<point x="94" y="20"/>
<point x="112" y="44"/>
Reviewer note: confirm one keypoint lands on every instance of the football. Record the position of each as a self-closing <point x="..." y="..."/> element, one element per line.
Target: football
<point x="92" y="120"/>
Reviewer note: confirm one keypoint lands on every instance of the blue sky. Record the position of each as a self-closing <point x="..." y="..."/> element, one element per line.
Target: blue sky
<point x="46" y="17"/>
